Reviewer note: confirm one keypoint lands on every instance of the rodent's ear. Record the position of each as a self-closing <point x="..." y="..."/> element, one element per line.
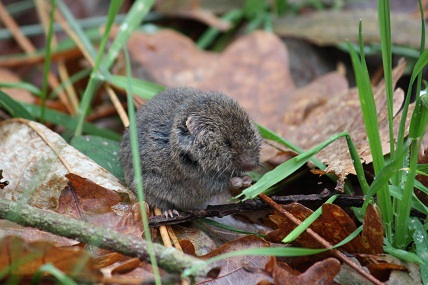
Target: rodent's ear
<point x="192" y="125"/>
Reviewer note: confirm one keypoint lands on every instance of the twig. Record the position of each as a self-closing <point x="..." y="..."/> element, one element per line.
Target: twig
<point x="170" y="259"/>
<point x="312" y="201"/>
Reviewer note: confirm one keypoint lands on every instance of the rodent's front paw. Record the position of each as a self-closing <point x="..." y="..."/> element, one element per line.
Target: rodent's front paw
<point x="171" y="213"/>
<point x="241" y="182"/>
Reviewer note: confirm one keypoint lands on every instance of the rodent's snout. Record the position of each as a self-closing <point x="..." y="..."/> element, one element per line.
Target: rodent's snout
<point x="249" y="163"/>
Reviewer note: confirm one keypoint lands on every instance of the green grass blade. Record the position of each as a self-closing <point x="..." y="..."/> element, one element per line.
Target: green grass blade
<point x="47" y="64"/>
<point x="271" y="135"/>
<point x="211" y="33"/>
<point x="285" y="169"/>
<point x="420" y="238"/>
<point x="142" y="88"/>
<point x="273" y="251"/>
<point x="368" y="108"/>
<point x="226" y="227"/>
<point x="33" y="89"/>
<point x="13" y="107"/>
<point x="137" y="169"/>
<point x="60" y="276"/>
<point x="71" y="80"/>
<point x="386" y="44"/>
<point x="402" y="254"/>
<point x="112" y="12"/>
<point x="307" y="222"/>
<point x="69" y="122"/>
<point x="138" y="11"/>
<point x="383" y="176"/>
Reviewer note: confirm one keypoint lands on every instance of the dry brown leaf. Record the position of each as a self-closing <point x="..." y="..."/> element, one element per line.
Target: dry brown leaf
<point x="321" y="272"/>
<point x="36" y="160"/>
<point x="32" y="234"/>
<point x="334" y="225"/>
<point x="372" y="235"/>
<point x="31" y="162"/>
<point x="254" y="69"/>
<point x="317" y="27"/>
<point x="233" y="269"/>
<point x="30" y="256"/>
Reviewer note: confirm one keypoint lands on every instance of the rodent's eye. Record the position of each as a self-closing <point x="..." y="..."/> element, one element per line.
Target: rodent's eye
<point x="228" y="143"/>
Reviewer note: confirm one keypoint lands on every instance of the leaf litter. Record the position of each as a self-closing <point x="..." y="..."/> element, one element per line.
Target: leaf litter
<point x="254" y="70"/>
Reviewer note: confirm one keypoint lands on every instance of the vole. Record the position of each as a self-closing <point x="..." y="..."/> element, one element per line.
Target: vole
<point x="193" y="145"/>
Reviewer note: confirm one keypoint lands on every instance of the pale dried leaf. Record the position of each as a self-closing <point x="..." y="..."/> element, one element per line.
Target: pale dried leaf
<point x="34" y="170"/>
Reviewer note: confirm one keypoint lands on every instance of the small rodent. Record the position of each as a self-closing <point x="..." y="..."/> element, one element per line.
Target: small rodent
<point x="193" y="145"/>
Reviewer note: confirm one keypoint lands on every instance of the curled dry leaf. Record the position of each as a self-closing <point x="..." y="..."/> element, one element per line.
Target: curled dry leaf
<point x="35" y="160"/>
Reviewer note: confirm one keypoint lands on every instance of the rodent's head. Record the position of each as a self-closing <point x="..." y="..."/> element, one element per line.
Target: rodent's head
<point x="217" y="135"/>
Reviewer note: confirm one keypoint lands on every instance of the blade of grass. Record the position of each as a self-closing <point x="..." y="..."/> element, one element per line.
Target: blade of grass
<point x="137" y="170"/>
<point x="285" y="169"/>
<point x="13" y="107"/>
<point x="226" y="227"/>
<point x="135" y="16"/>
<point x="133" y="19"/>
<point x="368" y="108"/>
<point x="58" y="274"/>
<point x="210" y="34"/>
<point x="271" y="135"/>
<point x="402" y="254"/>
<point x="47" y="65"/>
<point x="112" y="12"/>
<point x="386" y="44"/>
<point x="69" y="122"/>
<point x="307" y="222"/>
<point x="420" y="238"/>
<point x="22" y="85"/>
<point x="142" y="88"/>
<point x="417" y="129"/>
<point x="275" y="251"/>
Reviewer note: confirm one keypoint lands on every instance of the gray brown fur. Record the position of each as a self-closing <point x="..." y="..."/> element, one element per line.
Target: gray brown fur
<point x="191" y="144"/>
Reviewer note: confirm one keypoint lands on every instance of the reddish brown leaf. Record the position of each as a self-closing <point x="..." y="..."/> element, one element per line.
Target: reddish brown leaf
<point x="30" y="256"/>
<point x="372" y="235"/>
<point x="93" y="198"/>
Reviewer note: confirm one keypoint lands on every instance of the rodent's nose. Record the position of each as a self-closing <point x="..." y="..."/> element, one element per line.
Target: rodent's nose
<point x="249" y="164"/>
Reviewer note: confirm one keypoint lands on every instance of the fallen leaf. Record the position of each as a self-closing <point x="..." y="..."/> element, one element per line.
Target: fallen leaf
<point x="372" y="235"/>
<point x="30" y="256"/>
<point x="322" y="272"/>
<point x="334" y="225"/>
<point x="35" y="161"/>
<point x="233" y="269"/>
<point x="317" y="27"/>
